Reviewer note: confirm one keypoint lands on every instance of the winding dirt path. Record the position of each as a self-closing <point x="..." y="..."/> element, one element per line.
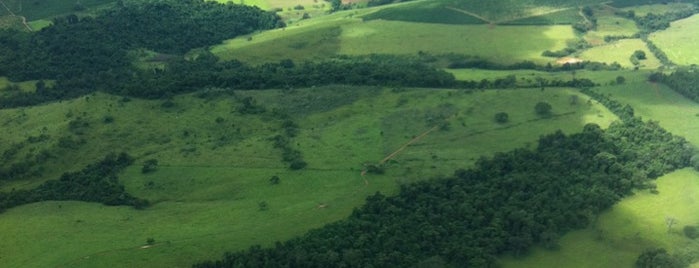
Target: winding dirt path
<point x="24" y="20"/>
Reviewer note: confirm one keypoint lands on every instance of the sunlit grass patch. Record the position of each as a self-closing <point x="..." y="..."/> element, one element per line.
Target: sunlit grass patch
<point x="631" y="226"/>
<point x="620" y="52"/>
<point x="680" y="42"/>
<point x="502" y="44"/>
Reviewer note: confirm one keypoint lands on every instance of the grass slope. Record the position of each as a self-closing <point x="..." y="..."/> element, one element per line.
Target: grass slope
<point x="317" y="37"/>
<point x="674" y="112"/>
<point x="620" y="51"/>
<point x="637" y="222"/>
<point x="207" y="190"/>
<point x="502" y="44"/>
<point x="609" y="24"/>
<point x="428" y="12"/>
<point x="631" y="226"/>
<point x="680" y="41"/>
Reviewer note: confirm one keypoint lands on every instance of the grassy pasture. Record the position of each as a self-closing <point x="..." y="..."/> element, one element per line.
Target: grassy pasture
<point x="566" y="16"/>
<point x="620" y="51"/>
<point x="507" y="10"/>
<point x="316" y="38"/>
<point x="675" y="113"/>
<point x="609" y="24"/>
<point x="304" y="45"/>
<point x="212" y="175"/>
<point x="629" y="227"/>
<point x="39" y="24"/>
<point x="680" y="42"/>
<point x="428" y="12"/>
<point x="502" y="44"/>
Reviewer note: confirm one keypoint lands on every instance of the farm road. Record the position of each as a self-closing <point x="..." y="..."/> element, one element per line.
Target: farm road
<point x="24" y="20"/>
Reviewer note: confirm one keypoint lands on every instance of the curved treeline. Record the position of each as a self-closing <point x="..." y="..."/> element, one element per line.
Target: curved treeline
<point x="507" y="203"/>
<point x="95" y="183"/>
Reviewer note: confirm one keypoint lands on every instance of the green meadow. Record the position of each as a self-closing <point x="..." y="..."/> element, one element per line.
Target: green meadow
<point x="631" y="226"/>
<point x="637" y="222"/>
<point x="344" y="33"/>
<point x="620" y="51"/>
<point x="680" y="42"/>
<point x="499" y="44"/>
<point x="213" y="173"/>
<point x="608" y="24"/>
<point x="674" y="112"/>
<point x="212" y="193"/>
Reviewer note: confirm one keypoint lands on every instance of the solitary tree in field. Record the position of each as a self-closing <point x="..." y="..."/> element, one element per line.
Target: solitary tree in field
<point x="274" y="180"/>
<point x="639" y="54"/>
<point x="543" y="108"/>
<point x="502" y="117"/>
<point x="262" y="205"/>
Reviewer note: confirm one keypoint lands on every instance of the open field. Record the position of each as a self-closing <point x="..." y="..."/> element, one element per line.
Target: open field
<point x="620" y="51"/>
<point x="680" y="42"/>
<point x="506" y="10"/>
<point x="502" y="44"/>
<point x="675" y="113"/>
<point x="565" y="16"/>
<point x="608" y="24"/>
<point x="631" y="226"/>
<point x="425" y="11"/>
<point x="213" y="173"/>
<point x="317" y="38"/>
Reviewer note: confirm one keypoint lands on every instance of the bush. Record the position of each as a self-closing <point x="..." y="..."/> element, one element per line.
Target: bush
<point x="297" y="164"/>
<point x="691" y="231"/>
<point x="502" y="117"/>
<point x="149" y="166"/>
<point x="543" y="108"/>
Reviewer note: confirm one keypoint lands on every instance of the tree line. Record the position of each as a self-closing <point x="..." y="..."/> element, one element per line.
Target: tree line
<point x="504" y="204"/>
<point x="84" y="54"/>
<point x="97" y="182"/>
<point x="683" y="81"/>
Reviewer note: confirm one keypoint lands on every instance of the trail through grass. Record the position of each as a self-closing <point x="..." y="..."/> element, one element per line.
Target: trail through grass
<point x="207" y="190"/>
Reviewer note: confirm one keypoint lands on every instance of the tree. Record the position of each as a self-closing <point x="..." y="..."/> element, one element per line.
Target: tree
<point x="691" y="231"/>
<point x="262" y="205"/>
<point x="502" y="117"/>
<point x="149" y="166"/>
<point x="620" y="80"/>
<point x="657" y="257"/>
<point x="639" y="54"/>
<point x="274" y="180"/>
<point x="543" y="108"/>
